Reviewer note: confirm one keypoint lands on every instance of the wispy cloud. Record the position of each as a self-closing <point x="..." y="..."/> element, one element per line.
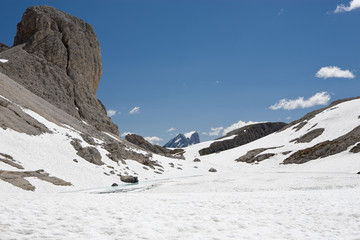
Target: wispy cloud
<point x="126" y="133"/>
<point x="354" y="4"/>
<point x="214" y="131"/>
<point x="171" y="129"/>
<point x="237" y="125"/>
<point x="321" y="98"/>
<point x="111" y="112"/>
<point x="134" y="110"/>
<point x="281" y="11"/>
<point x="153" y="139"/>
<point x="333" y="72"/>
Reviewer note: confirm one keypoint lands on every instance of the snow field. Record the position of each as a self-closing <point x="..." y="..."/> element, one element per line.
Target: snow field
<point x="311" y="214"/>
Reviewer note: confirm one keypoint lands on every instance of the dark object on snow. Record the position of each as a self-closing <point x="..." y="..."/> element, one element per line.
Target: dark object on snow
<point x="358" y="173"/>
<point x="197" y="160"/>
<point x="129" y="179"/>
<point x="114" y="185"/>
<point x="212" y="170"/>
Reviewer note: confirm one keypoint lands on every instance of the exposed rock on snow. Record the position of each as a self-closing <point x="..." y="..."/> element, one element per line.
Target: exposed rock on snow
<point x="326" y="148"/>
<point x="253" y="156"/>
<point x="18" y="179"/>
<point x="212" y="170"/>
<point x="308" y="137"/>
<point x="57" y="57"/>
<point x="356" y="149"/>
<point x="90" y="154"/>
<point x="12" y="116"/>
<point x="141" y="142"/>
<point x="7" y="159"/>
<point x="243" y="136"/>
<point x="129" y="179"/>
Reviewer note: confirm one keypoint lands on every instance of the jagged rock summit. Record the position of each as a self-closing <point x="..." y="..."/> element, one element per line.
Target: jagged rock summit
<point x="57" y="57"/>
<point x="183" y="140"/>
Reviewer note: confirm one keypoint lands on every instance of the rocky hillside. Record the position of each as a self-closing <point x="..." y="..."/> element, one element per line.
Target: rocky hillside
<point x="183" y="140"/>
<point x="328" y="138"/>
<point x="242" y="136"/>
<point x="57" y="57"/>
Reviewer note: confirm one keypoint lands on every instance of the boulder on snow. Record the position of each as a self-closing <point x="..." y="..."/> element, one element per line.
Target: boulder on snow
<point x="129" y="179"/>
<point x="114" y="185"/>
<point x="196" y="160"/>
<point x="212" y="170"/>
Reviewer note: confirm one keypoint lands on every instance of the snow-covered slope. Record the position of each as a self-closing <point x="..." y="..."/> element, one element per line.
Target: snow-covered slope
<point x="55" y="152"/>
<point x="332" y="123"/>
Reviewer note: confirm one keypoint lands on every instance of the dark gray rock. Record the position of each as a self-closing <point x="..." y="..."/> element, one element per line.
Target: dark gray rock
<point x="326" y="148"/>
<point x="114" y="185"/>
<point x="118" y="151"/>
<point x="90" y="154"/>
<point x="57" y="57"/>
<point x="243" y="136"/>
<point x="3" y="47"/>
<point x="197" y="160"/>
<point x="13" y="117"/>
<point x="183" y="140"/>
<point x="356" y="149"/>
<point x="87" y="138"/>
<point x="308" y="137"/>
<point x="141" y="142"/>
<point x="129" y="179"/>
<point x="253" y="155"/>
<point x="19" y="178"/>
<point x="212" y="170"/>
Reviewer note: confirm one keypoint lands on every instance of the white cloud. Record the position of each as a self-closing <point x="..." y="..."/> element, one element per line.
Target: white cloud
<point x="134" y="110"/>
<point x="354" y="4"/>
<point x="171" y="129"/>
<point x="153" y="139"/>
<point x="126" y="133"/>
<point x="214" y="131"/>
<point x="111" y="112"/>
<point x="237" y="125"/>
<point x="281" y="11"/>
<point x="321" y="98"/>
<point x="333" y="72"/>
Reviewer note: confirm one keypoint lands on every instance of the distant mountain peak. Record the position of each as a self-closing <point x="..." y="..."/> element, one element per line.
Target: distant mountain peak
<point x="183" y="140"/>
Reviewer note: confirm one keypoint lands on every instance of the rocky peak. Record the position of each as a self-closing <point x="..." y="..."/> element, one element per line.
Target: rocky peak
<point x="183" y="140"/>
<point x="64" y="40"/>
<point x="57" y="57"/>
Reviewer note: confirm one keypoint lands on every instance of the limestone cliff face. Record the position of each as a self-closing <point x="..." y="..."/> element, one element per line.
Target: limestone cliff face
<point x="57" y="57"/>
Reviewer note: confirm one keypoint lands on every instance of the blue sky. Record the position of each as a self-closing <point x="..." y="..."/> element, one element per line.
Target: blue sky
<point x="202" y="65"/>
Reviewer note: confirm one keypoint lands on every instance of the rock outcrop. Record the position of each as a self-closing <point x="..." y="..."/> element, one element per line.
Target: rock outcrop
<point x="141" y="142"/>
<point x="3" y="47"/>
<point x="243" y="136"/>
<point x="57" y="57"/>
<point x="183" y="140"/>
<point x="326" y="148"/>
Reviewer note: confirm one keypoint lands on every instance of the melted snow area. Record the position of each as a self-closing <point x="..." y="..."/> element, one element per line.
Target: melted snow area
<point x="266" y="200"/>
